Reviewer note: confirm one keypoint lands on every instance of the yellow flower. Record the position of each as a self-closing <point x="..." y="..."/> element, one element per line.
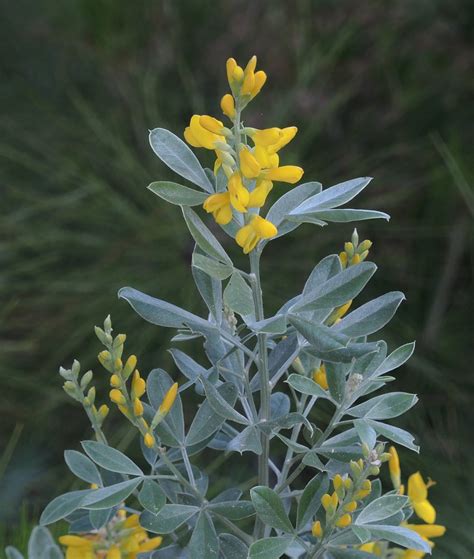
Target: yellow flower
<point x="426" y="531"/>
<point x="78" y="547"/>
<point x="418" y="494"/>
<point x="199" y="137"/>
<point x="274" y="139"/>
<point x="371" y="547"/>
<point x="259" y="194"/>
<point x="394" y="468"/>
<point x="239" y="195"/>
<point x="320" y="377"/>
<point x="249" y="165"/>
<point x="251" y="234"/>
<point x="220" y="207"/>
<point x="137" y="407"/>
<point x="288" y="173"/>
<point x="169" y="399"/>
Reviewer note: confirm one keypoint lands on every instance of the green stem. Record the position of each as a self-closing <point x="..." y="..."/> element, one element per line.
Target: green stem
<point x="265" y="389"/>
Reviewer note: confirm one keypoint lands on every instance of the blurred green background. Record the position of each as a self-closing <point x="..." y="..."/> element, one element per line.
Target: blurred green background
<point x="376" y="88"/>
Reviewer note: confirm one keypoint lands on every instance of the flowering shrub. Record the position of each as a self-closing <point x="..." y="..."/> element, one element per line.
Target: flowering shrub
<point x="260" y="387"/>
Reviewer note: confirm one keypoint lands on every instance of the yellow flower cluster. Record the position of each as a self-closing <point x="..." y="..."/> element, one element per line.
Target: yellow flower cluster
<point x="129" y="401"/>
<point x="123" y="538"/>
<point x="418" y="496"/>
<point x="354" y="252"/>
<point x="343" y="501"/>
<point x="250" y="170"/>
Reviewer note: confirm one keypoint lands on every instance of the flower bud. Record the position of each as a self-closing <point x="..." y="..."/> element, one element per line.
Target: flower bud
<point x="351" y="506"/>
<point x="91" y="395"/>
<point x="117" y="397"/>
<point x="355" y="260"/>
<point x="104" y="411"/>
<point x="129" y="366"/>
<point x="138" y="385"/>
<point x="228" y="106"/>
<point x="115" y="381"/>
<point x="364" y="245"/>
<point x="298" y="366"/>
<point x="85" y="380"/>
<point x="355" y="238"/>
<point x="149" y="440"/>
<point x="344" y="521"/>
<point x="169" y="399"/>
<point x="343" y="259"/>
<point x="137" y="407"/>
<point x="316" y="529"/>
<point x="349" y="248"/>
<point x="108" y="324"/>
<point x="65" y="373"/>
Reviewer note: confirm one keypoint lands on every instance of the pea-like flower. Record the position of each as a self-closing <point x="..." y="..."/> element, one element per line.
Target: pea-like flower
<point x="251" y="234"/>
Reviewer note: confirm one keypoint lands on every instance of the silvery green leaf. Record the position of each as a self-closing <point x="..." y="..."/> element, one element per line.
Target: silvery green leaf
<point x="333" y="196"/>
<point x="286" y="421"/>
<point x="336" y="378"/>
<point x="367" y="434"/>
<point x="220" y="405"/>
<point x="400" y="536"/>
<point x="339" y="216"/>
<point x="168" y="519"/>
<point x="207" y="421"/>
<point x="279" y="405"/>
<point x="362" y="534"/>
<point x="178" y="157"/>
<point x="246" y="440"/>
<point x="384" y="406"/>
<point x="211" y="266"/>
<point x="279" y="359"/>
<point x="320" y="337"/>
<point x="62" y="506"/>
<point x="173" y="551"/>
<point x="209" y="288"/>
<point x="341" y="453"/>
<point x="151" y="496"/>
<point x="171" y="429"/>
<point x="396" y="359"/>
<point x="270" y="508"/>
<point x="110" y="458"/>
<point x="238" y="296"/>
<point x="370" y="317"/>
<point x="232" y="548"/>
<point x="310" y="501"/>
<point x="111" y="495"/>
<point x="367" y="364"/>
<point x="186" y="364"/>
<point x="329" y="267"/>
<point x="286" y="203"/>
<point x="306" y="385"/>
<point x="204" y="541"/>
<point x="269" y="548"/>
<point x="381" y="508"/>
<point x="347" y="553"/>
<point x="233" y="510"/>
<point x="395" y="434"/>
<point x="338" y="289"/>
<point x="100" y="517"/>
<point x="296" y="447"/>
<point x="203" y="237"/>
<point x="40" y="539"/>
<point x="13" y="553"/>
<point x="177" y="194"/>
<point x="345" y="354"/>
<point x="273" y="325"/>
<point x="160" y="312"/>
<point x="82" y="467"/>
<point x="231" y="494"/>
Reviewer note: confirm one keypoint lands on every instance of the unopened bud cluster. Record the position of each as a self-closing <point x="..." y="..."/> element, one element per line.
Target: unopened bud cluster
<point x="353" y="252"/>
<point x="126" y="394"/>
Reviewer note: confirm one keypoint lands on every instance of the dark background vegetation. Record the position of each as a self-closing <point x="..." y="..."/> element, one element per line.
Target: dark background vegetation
<point x="376" y="88"/>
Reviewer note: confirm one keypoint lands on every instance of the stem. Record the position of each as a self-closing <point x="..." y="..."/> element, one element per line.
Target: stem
<point x="237" y="531"/>
<point x="187" y="465"/>
<point x="265" y="389"/>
